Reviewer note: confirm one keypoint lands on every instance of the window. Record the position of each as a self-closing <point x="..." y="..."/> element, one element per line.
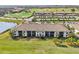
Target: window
<point x="33" y="33"/>
<point x="47" y="34"/>
<point x="52" y="34"/>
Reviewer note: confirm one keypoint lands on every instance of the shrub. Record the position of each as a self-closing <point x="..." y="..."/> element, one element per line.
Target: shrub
<point x="77" y="43"/>
<point x="70" y="40"/>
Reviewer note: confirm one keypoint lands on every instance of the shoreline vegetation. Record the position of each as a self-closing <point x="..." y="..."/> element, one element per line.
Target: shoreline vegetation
<point x="9" y="20"/>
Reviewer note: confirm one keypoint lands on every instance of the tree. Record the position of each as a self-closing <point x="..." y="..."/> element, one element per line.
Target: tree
<point x="63" y="10"/>
<point x="73" y="10"/>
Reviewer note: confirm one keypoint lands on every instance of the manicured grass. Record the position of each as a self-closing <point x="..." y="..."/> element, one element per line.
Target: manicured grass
<point x="34" y="46"/>
<point x="19" y="15"/>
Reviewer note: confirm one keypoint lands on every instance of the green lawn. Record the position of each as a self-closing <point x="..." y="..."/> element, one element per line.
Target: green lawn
<point x="34" y="46"/>
<point x="19" y="15"/>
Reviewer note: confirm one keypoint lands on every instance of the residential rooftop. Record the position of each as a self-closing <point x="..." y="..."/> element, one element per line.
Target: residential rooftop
<point x="56" y="14"/>
<point x="41" y="27"/>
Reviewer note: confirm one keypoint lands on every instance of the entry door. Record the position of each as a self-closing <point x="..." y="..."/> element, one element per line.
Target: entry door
<point x="20" y="33"/>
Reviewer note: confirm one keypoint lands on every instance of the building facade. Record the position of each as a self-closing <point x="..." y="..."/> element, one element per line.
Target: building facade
<point x="40" y="30"/>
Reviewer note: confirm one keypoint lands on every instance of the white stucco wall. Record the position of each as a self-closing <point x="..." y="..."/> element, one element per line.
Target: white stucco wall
<point x="55" y="34"/>
<point x="64" y="35"/>
<point x="15" y="33"/>
<point x="24" y="33"/>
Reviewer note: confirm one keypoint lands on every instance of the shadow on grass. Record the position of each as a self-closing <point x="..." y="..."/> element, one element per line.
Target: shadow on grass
<point x="75" y="46"/>
<point x="62" y="46"/>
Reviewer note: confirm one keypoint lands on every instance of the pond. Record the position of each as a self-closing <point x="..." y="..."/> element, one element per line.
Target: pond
<point x="6" y="25"/>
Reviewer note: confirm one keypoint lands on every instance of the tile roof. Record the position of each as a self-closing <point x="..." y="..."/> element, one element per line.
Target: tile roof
<point x="41" y="27"/>
<point x="56" y="14"/>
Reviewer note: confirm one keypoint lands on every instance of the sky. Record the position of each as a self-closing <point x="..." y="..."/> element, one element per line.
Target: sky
<point x="39" y="2"/>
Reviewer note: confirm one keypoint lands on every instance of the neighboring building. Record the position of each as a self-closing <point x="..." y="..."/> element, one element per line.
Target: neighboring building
<point x="42" y="15"/>
<point x="40" y="30"/>
<point x="75" y="28"/>
<point x="66" y="16"/>
<point x="55" y="16"/>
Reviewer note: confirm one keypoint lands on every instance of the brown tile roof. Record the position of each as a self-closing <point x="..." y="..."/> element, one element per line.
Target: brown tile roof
<point x="41" y="27"/>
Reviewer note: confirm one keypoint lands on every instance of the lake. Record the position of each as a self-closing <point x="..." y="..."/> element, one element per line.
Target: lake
<point x="6" y="25"/>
